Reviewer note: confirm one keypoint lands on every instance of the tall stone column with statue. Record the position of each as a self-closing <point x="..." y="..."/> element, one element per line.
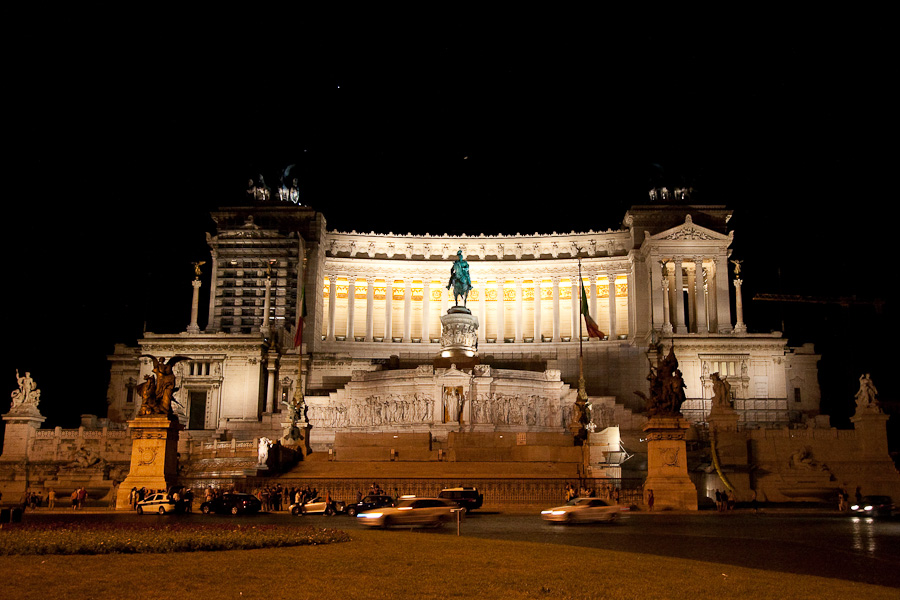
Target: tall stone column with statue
<point x="154" y="433"/>
<point x="459" y="327"/>
<point x="667" y="473"/>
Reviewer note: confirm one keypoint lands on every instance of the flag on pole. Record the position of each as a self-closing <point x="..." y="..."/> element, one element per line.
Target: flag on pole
<point x="592" y="327"/>
<point x="298" y="336"/>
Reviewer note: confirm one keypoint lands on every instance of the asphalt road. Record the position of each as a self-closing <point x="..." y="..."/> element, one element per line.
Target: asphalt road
<point x="808" y="542"/>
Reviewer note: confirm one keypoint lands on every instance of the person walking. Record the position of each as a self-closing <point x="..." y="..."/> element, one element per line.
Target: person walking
<point x="51" y="499"/>
<point x="650" y="500"/>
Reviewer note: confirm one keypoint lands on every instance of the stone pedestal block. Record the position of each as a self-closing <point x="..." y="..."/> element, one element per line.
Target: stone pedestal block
<point x="459" y="339"/>
<point x="154" y="456"/>
<point x="667" y="472"/>
<point x="722" y="418"/>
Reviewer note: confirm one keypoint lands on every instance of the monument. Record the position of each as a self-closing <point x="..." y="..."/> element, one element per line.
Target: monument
<point x="667" y="474"/>
<point x="459" y="327"/>
<point x="154" y="433"/>
<point x="23" y="418"/>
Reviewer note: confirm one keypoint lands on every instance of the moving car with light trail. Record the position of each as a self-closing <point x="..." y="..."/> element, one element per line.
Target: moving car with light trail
<point x="429" y="512"/>
<point x="583" y="510"/>
<point x="874" y="506"/>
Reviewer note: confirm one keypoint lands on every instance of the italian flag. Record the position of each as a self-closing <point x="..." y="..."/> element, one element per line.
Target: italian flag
<point x="298" y="336"/>
<point x="592" y="327"/>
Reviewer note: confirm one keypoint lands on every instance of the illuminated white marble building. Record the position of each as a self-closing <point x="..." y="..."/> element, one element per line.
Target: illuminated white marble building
<point x="374" y="301"/>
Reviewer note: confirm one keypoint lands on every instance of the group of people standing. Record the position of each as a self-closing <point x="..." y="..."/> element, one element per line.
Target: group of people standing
<point x="724" y="500"/>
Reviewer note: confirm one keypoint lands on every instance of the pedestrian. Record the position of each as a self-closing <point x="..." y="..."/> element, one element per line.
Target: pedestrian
<point x="82" y="496"/>
<point x="753" y="501"/>
<point x="51" y="499"/>
<point x="718" y="501"/>
<point x="74" y="498"/>
<point x="650" y="500"/>
<point x="841" y="507"/>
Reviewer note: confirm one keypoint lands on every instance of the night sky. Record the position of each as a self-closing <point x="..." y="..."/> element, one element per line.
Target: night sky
<point x="124" y="141"/>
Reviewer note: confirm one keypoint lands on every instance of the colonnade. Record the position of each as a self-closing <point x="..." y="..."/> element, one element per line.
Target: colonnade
<point x="690" y="294"/>
<point x="506" y="307"/>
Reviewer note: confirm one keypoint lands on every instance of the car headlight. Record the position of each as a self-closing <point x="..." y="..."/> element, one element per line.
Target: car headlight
<point x="854" y="507"/>
<point x="369" y="515"/>
<point x="869" y="507"/>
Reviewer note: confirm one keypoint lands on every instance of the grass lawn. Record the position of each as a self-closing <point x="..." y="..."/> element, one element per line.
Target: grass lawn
<point x="406" y="565"/>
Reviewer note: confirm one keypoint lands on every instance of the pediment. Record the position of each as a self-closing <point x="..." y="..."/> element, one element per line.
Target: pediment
<point x="690" y="231"/>
<point x="454" y="372"/>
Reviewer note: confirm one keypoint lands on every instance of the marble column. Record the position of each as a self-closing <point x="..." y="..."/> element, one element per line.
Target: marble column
<point x="351" y="307"/>
<point x="713" y="295"/>
<point x="426" y="311"/>
<point x="557" y="336"/>
<point x="267" y="304"/>
<point x="501" y="309"/>
<point x="370" y="308"/>
<point x="270" y="386"/>
<point x="700" y="297"/>
<point x="332" y="306"/>
<point x="388" y="309"/>
<point x="576" y="307"/>
<point x="482" y="311"/>
<point x="611" y="277"/>
<point x="680" y="325"/>
<point x="193" y="327"/>
<point x="519" y="309"/>
<point x="659" y="302"/>
<point x="739" y="326"/>
<point x="537" y="310"/>
<point x="407" y="308"/>
<point x="666" y="324"/>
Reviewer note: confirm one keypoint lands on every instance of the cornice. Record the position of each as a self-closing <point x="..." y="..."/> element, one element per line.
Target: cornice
<point x="498" y="247"/>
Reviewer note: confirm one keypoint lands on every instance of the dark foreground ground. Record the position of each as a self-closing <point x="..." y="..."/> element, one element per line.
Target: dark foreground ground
<point x="790" y="540"/>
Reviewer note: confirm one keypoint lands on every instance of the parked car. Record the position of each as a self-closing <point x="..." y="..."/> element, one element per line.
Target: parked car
<point x="233" y="504"/>
<point x="583" y="510"/>
<point x="318" y="506"/>
<point x="467" y="497"/>
<point x="156" y="503"/>
<point x="413" y="511"/>
<point x="874" y="506"/>
<point x="368" y="503"/>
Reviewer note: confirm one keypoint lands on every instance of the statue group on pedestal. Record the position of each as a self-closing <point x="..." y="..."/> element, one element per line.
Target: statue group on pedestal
<point x="158" y="390"/>
<point x="28" y="395"/>
<point x="666" y="388"/>
<point x="867" y="396"/>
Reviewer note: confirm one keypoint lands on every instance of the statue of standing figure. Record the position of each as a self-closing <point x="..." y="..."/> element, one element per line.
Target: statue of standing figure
<point x="263" y="451"/>
<point x="460" y="282"/>
<point x="721" y="390"/>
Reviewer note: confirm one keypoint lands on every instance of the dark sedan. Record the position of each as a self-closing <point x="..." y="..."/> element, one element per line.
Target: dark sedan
<point x="233" y="504"/>
<point x="369" y="502"/>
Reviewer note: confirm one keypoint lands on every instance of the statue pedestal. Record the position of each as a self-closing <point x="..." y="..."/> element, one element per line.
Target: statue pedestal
<point x="459" y="339"/>
<point x="154" y="456"/>
<point x="722" y="418"/>
<point x="21" y="424"/>
<point x="667" y="472"/>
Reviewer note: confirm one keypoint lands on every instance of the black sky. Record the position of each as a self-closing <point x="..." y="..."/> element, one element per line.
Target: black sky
<point x="124" y="141"/>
